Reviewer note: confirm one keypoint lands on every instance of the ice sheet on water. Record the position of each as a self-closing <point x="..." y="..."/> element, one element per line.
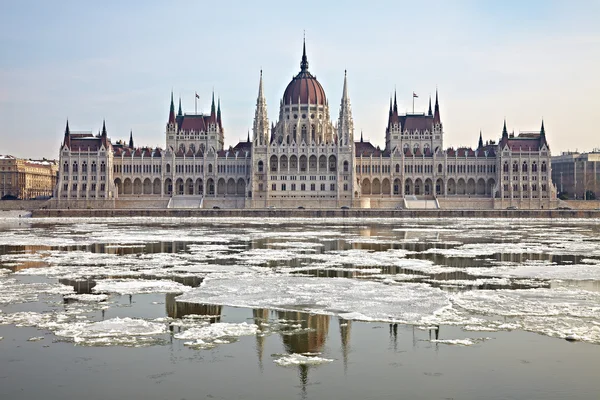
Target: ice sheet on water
<point x="12" y="291"/>
<point x="116" y="331"/>
<point x="138" y="286"/>
<point x="287" y="360"/>
<point x="460" y="342"/>
<point x="538" y="270"/>
<point x="367" y="300"/>
<point x="87" y="297"/>
<point x="207" y="336"/>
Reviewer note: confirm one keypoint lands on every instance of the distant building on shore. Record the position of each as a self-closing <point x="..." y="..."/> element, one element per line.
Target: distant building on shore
<point x="303" y="159"/>
<point x="27" y="179"/>
<point x="577" y="175"/>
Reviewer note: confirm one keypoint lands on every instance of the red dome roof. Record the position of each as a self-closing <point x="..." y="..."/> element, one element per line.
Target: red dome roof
<point x="304" y="87"/>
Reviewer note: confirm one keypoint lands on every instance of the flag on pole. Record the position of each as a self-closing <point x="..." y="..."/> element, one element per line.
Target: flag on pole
<point x="197" y="95"/>
<point x="415" y="95"/>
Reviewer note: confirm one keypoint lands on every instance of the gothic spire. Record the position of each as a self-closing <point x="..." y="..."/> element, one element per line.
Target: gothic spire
<point x="504" y="131"/>
<point x="304" y="62"/>
<point x="261" y="122"/>
<point x="542" y="131"/>
<point x="480" y="145"/>
<point x="179" y="113"/>
<point x="436" y="112"/>
<point x="248" y="140"/>
<point x="390" y="104"/>
<point x="361" y="136"/>
<point x="103" y="128"/>
<point x="131" y="139"/>
<point x="429" y="112"/>
<point x="172" y="110"/>
<point x="212" y="106"/>
<point x="345" y="126"/>
<point x="67" y="140"/>
<point x="219" y="111"/>
<point x="395" y="103"/>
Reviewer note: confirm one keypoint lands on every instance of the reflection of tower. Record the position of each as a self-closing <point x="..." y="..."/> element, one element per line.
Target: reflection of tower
<point x="345" y="340"/>
<point x="310" y="340"/>
<point x="260" y="315"/>
<point x="179" y="309"/>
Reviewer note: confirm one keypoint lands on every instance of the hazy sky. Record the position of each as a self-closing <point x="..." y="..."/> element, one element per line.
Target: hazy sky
<point x="118" y="60"/>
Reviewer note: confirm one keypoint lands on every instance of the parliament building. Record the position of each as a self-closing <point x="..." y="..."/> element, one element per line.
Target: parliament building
<point x="304" y="159"/>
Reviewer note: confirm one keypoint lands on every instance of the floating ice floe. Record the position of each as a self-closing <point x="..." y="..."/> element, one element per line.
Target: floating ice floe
<point x="350" y="298"/>
<point x="139" y="286"/>
<point x="115" y="331"/>
<point x="460" y="342"/>
<point x="12" y="291"/>
<point x="286" y="360"/>
<point x="207" y="336"/>
<point x="87" y="297"/>
<point x="542" y="271"/>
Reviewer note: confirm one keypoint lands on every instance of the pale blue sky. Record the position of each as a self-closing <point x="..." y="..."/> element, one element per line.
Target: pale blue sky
<point x="118" y="60"/>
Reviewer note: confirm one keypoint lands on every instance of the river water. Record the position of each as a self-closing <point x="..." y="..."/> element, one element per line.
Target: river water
<point x="299" y="308"/>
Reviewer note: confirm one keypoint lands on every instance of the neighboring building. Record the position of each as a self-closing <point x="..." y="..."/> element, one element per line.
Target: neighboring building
<point x="303" y="159"/>
<point x="574" y="174"/>
<point x="27" y="179"/>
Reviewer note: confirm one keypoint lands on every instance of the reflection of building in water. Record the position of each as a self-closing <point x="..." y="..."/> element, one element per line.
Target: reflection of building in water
<point x="310" y="340"/>
<point x="179" y="309"/>
<point x="81" y="286"/>
<point x="345" y="326"/>
<point x="260" y="315"/>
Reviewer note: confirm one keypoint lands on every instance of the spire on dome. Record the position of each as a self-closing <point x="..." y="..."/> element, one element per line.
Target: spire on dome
<point x="429" y="112"/>
<point x="131" y="139"/>
<point x="304" y="62"/>
<point x="436" y="112"/>
<point x="480" y="145"/>
<point x="172" y="111"/>
<point x="180" y="113"/>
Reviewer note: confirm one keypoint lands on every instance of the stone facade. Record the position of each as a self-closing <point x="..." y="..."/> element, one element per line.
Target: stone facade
<point x="27" y="179"/>
<point x="576" y="174"/>
<point x="305" y="160"/>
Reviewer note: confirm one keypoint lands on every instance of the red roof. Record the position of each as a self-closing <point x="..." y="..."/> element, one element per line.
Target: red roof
<point x="193" y="122"/>
<point x="304" y="88"/>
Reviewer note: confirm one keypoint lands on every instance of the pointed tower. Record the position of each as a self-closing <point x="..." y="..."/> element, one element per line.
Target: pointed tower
<point x="179" y="113"/>
<point x="261" y="122"/>
<point x="213" y="112"/>
<point x="219" y="113"/>
<point x="429" y="112"/>
<point x="436" y="113"/>
<point x="543" y="140"/>
<point x="67" y="138"/>
<point x="131" y="139"/>
<point x="172" y="111"/>
<point x="345" y="124"/>
<point x="395" y="104"/>
<point x="480" y="145"/>
<point x="504" y="131"/>
<point x="104" y="136"/>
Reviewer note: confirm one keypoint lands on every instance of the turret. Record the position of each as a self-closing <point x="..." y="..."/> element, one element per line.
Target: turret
<point x="261" y="122"/>
<point x="180" y="113"/>
<point x="345" y="121"/>
<point x="67" y="138"/>
<point x="219" y="114"/>
<point x="436" y="112"/>
<point x="429" y="112"/>
<point x="172" y="111"/>
<point x="131" y="139"/>
<point x="213" y="112"/>
<point x="104" y="136"/>
<point x="504" y="131"/>
<point x="480" y="145"/>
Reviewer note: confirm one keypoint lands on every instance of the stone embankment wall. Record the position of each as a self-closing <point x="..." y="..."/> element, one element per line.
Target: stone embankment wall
<point x="582" y="204"/>
<point x="23" y="204"/>
<point x="313" y="213"/>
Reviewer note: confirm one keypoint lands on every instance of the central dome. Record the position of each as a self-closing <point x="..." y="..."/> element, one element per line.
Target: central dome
<point x="304" y="88"/>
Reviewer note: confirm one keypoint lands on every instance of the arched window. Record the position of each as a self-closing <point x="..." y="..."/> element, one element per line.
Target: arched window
<point x="397" y="168"/>
<point x="313" y="132"/>
<point x="415" y="148"/>
<point x="168" y="168"/>
<point x="345" y="166"/>
<point x="75" y="167"/>
<point x="182" y="147"/>
<point x="304" y="133"/>
<point x="505" y="167"/>
<point x="515" y="167"/>
<point x="260" y="166"/>
<point x="210" y="168"/>
<point x="405" y="148"/>
<point x="84" y="167"/>
<point x="66" y="167"/>
<point x="294" y="130"/>
<point x="102" y="167"/>
<point x="533" y="167"/>
<point x="544" y="166"/>
<point x="524" y="168"/>
<point x="440" y="168"/>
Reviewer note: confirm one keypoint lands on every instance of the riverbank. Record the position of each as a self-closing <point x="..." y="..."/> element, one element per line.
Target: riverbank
<point x="313" y="213"/>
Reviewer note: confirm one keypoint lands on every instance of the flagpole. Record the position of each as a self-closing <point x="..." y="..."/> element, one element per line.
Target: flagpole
<point x="413" y="102"/>
<point x="195" y="103"/>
